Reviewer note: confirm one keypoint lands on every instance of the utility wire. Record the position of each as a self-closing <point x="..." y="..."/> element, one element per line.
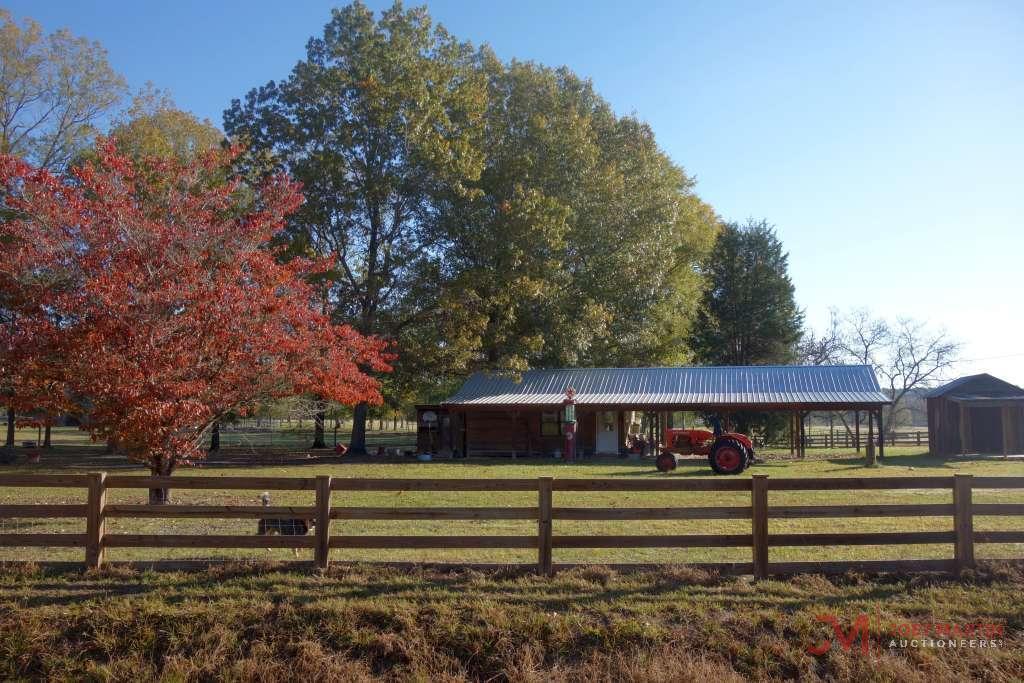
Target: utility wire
<point x="971" y="360"/>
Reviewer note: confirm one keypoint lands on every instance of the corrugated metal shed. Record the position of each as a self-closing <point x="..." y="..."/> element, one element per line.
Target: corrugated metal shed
<point x="776" y="386"/>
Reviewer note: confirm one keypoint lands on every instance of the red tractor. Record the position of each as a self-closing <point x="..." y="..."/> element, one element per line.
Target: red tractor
<point x="728" y="452"/>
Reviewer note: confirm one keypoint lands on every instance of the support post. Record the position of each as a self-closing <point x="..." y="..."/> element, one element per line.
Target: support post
<point x="322" y="549"/>
<point x="792" y="433"/>
<point x="1007" y="420"/>
<point x="759" y="528"/>
<point x="964" y="440"/>
<point x="803" y="435"/>
<point x="881" y="436"/>
<point x="465" y="434"/>
<point x="869" y="448"/>
<point x="856" y="429"/>
<point x="94" y="520"/>
<point x="963" y="522"/>
<point x="545" y="566"/>
<point x="621" y="428"/>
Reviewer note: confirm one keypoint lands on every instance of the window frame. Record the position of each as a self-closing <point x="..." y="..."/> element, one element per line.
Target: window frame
<point x="546" y="422"/>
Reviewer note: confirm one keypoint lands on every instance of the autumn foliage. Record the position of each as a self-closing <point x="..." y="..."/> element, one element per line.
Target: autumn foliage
<point x="150" y="294"/>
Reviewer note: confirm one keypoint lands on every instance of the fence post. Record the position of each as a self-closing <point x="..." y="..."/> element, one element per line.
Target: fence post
<point x="94" y="520"/>
<point x="544" y="563"/>
<point x="323" y="521"/>
<point x="963" y="521"/>
<point x="759" y="526"/>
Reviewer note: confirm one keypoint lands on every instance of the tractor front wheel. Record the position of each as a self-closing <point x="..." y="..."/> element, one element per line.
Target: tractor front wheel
<point x="665" y="462"/>
<point x="728" y="457"/>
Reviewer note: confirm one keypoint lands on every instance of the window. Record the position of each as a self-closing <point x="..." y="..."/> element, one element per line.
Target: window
<point x="551" y="423"/>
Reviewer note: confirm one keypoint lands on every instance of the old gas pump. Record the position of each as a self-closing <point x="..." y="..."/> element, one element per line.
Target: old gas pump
<point x="569" y="409"/>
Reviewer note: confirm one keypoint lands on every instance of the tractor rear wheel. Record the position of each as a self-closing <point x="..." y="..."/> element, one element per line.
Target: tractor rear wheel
<point x="728" y="456"/>
<point x="665" y="462"/>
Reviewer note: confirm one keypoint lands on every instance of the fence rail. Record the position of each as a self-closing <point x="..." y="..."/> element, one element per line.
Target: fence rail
<point x="963" y="538"/>
<point x="841" y="438"/>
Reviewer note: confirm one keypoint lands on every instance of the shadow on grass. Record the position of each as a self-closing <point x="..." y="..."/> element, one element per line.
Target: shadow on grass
<point x="919" y="460"/>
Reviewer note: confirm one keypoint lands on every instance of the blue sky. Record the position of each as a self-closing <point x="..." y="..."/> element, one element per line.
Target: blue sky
<point x="885" y="140"/>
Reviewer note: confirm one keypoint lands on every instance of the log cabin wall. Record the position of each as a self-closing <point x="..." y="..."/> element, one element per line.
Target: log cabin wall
<point x="499" y="432"/>
<point x="519" y="433"/>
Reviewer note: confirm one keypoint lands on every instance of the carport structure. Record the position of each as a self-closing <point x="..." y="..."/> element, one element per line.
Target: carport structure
<point x="492" y="414"/>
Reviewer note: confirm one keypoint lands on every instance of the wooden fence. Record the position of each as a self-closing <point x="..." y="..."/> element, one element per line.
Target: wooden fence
<point x="963" y="537"/>
<point x="840" y="438"/>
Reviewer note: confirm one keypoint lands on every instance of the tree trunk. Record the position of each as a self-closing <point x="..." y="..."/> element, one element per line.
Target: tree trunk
<point x="318" y="428"/>
<point x="162" y="468"/>
<point x="9" y="441"/>
<point x="46" y="437"/>
<point x="215" y="437"/>
<point x="357" y="444"/>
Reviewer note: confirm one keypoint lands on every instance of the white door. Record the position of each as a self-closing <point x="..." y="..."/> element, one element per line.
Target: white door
<point x="608" y="433"/>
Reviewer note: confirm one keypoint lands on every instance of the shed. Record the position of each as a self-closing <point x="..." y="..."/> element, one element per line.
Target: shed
<point x="493" y="414"/>
<point x="976" y="414"/>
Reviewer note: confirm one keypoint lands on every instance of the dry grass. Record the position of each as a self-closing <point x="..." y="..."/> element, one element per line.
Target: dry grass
<point x="258" y="623"/>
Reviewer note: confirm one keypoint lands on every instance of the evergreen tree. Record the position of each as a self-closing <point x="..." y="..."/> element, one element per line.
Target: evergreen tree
<point x="749" y="314"/>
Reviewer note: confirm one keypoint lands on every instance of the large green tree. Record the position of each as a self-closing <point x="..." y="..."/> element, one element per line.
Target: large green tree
<point x="582" y="244"/>
<point x="153" y="126"/>
<point x="380" y="117"/>
<point x="481" y="214"/>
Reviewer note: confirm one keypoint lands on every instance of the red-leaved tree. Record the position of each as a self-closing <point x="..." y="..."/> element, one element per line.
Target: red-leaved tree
<point x="181" y="308"/>
<point x="33" y="273"/>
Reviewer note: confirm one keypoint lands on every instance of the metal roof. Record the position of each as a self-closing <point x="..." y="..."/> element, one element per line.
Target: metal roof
<point x="774" y="385"/>
<point x="975" y="385"/>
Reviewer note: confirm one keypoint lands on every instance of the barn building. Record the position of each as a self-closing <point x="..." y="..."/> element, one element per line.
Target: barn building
<point x="976" y="414"/>
<point x="495" y="415"/>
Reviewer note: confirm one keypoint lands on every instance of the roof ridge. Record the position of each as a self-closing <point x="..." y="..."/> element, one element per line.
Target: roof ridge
<point x="818" y="385"/>
<point x="692" y="367"/>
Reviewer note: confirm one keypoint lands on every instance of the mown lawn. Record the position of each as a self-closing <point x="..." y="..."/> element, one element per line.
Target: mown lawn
<point x="899" y="462"/>
<point x="259" y="623"/>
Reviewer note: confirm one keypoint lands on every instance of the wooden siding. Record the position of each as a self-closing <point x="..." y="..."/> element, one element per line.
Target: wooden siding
<point x="501" y="432"/>
<point x="1004" y="428"/>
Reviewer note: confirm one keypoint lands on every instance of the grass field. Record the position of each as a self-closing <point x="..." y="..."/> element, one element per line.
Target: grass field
<point x="258" y="621"/>
<point x="355" y="623"/>
<point x="900" y="462"/>
<point x="300" y="435"/>
<point x="294" y="436"/>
